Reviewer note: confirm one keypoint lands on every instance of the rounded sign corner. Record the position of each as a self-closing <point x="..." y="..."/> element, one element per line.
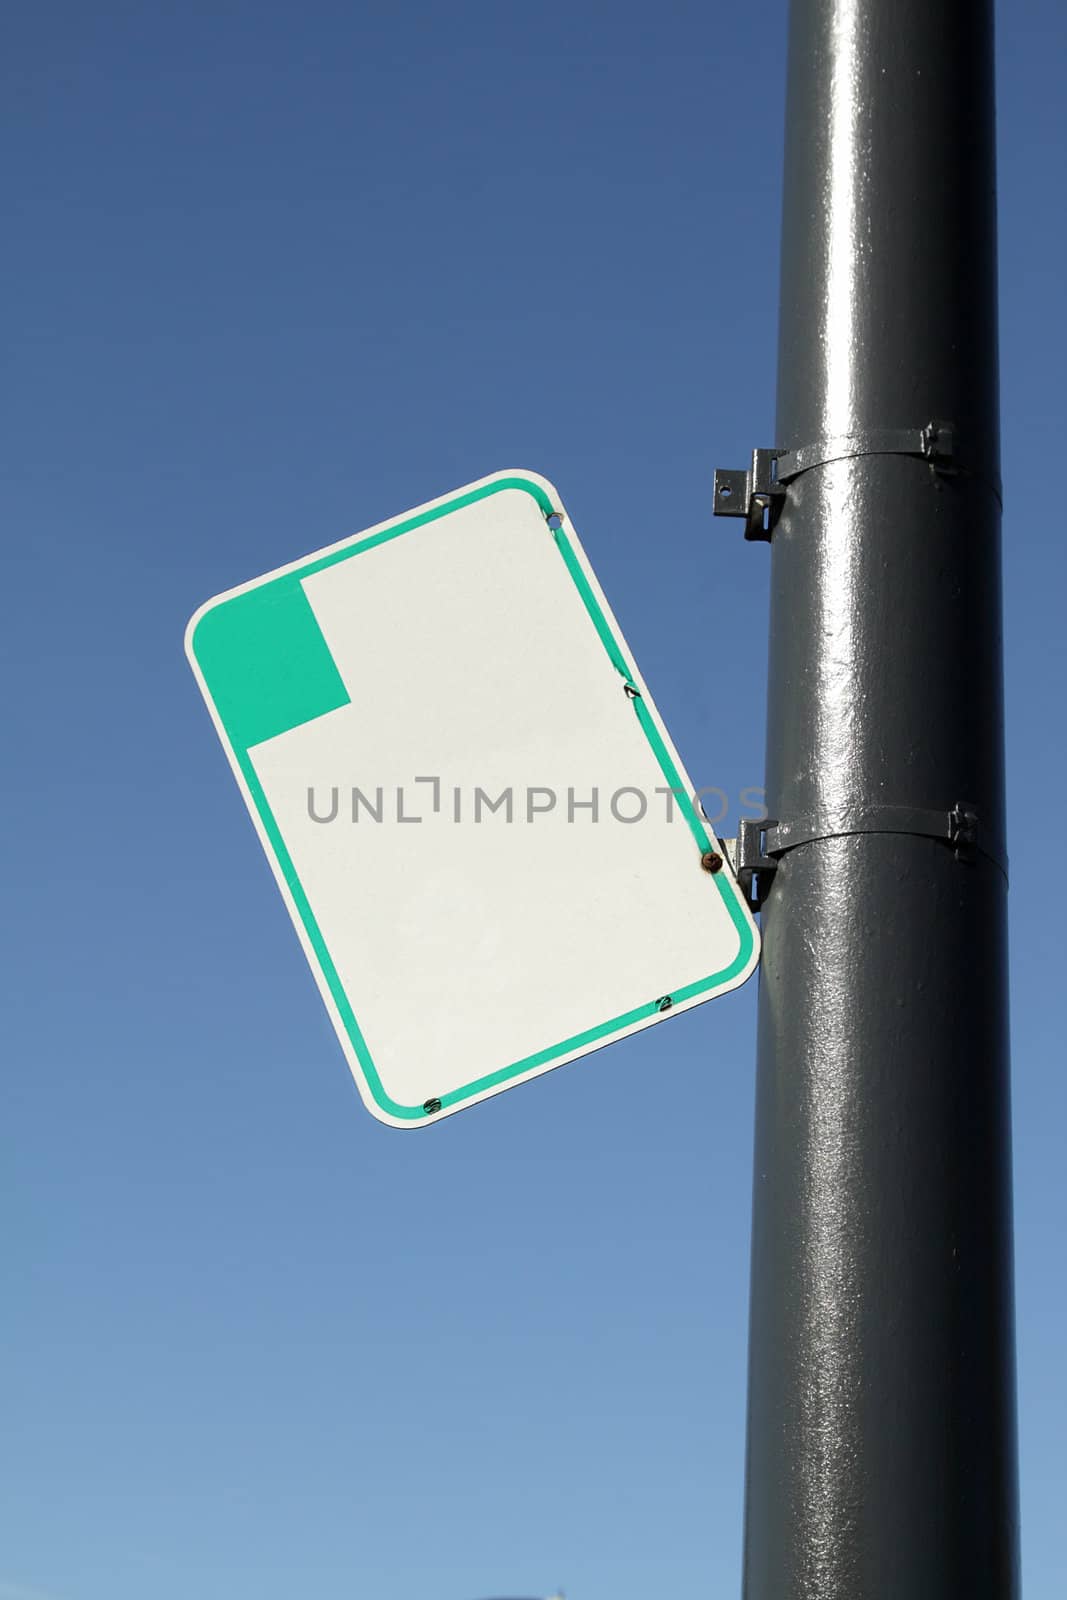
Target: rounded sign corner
<point x="193" y="625"/>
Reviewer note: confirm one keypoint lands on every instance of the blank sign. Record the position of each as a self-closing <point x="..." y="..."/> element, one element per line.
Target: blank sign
<point x="485" y="839"/>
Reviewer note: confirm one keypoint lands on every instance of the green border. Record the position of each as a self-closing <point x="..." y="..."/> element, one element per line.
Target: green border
<point x="722" y="881"/>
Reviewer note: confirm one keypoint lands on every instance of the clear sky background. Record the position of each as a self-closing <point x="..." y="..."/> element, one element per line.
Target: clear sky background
<point x="274" y="272"/>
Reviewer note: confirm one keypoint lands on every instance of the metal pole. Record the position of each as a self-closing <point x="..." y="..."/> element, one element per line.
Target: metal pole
<point x="881" y="1430"/>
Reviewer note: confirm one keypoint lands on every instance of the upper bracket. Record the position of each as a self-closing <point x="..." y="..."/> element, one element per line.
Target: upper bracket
<point x="757" y="494"/>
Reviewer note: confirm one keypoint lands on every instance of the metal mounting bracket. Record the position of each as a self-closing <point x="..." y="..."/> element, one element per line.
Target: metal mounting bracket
<point x="753" y="866"/>
<point x="758" y="494"/>
<point x="760" y="843"/>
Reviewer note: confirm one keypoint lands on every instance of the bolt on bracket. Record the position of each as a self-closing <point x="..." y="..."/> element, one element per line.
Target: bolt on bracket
<point x="753" y="867"/>
<point x="756" y="495"/>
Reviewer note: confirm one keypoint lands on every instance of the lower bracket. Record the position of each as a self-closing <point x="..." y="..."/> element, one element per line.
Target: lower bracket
<point x="761" y="843"/>
<point x="753" y="866"/>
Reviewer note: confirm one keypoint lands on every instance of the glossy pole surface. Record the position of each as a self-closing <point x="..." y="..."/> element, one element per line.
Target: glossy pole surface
<point x="881" y="1428"/>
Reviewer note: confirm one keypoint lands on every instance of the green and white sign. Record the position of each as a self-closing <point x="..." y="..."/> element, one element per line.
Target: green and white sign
<point x="487" y="843"/>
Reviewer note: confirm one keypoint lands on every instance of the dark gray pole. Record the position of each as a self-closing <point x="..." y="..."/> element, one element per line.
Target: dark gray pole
<point x="881" y="1432"/>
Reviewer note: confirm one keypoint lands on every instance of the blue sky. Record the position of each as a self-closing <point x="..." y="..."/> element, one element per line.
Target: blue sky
<point x="275" y="272"/>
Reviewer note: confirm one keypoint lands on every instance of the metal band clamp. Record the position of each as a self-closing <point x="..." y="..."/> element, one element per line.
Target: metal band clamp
<point x="760" y="844"/>
<point x="757" y="494"/>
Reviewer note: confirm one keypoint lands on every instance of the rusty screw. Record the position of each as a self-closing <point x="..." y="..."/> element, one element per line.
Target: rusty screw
<point x="711" y="861"/>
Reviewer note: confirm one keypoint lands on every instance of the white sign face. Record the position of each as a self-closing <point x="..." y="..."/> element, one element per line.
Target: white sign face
<point x="484" y="836"/>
